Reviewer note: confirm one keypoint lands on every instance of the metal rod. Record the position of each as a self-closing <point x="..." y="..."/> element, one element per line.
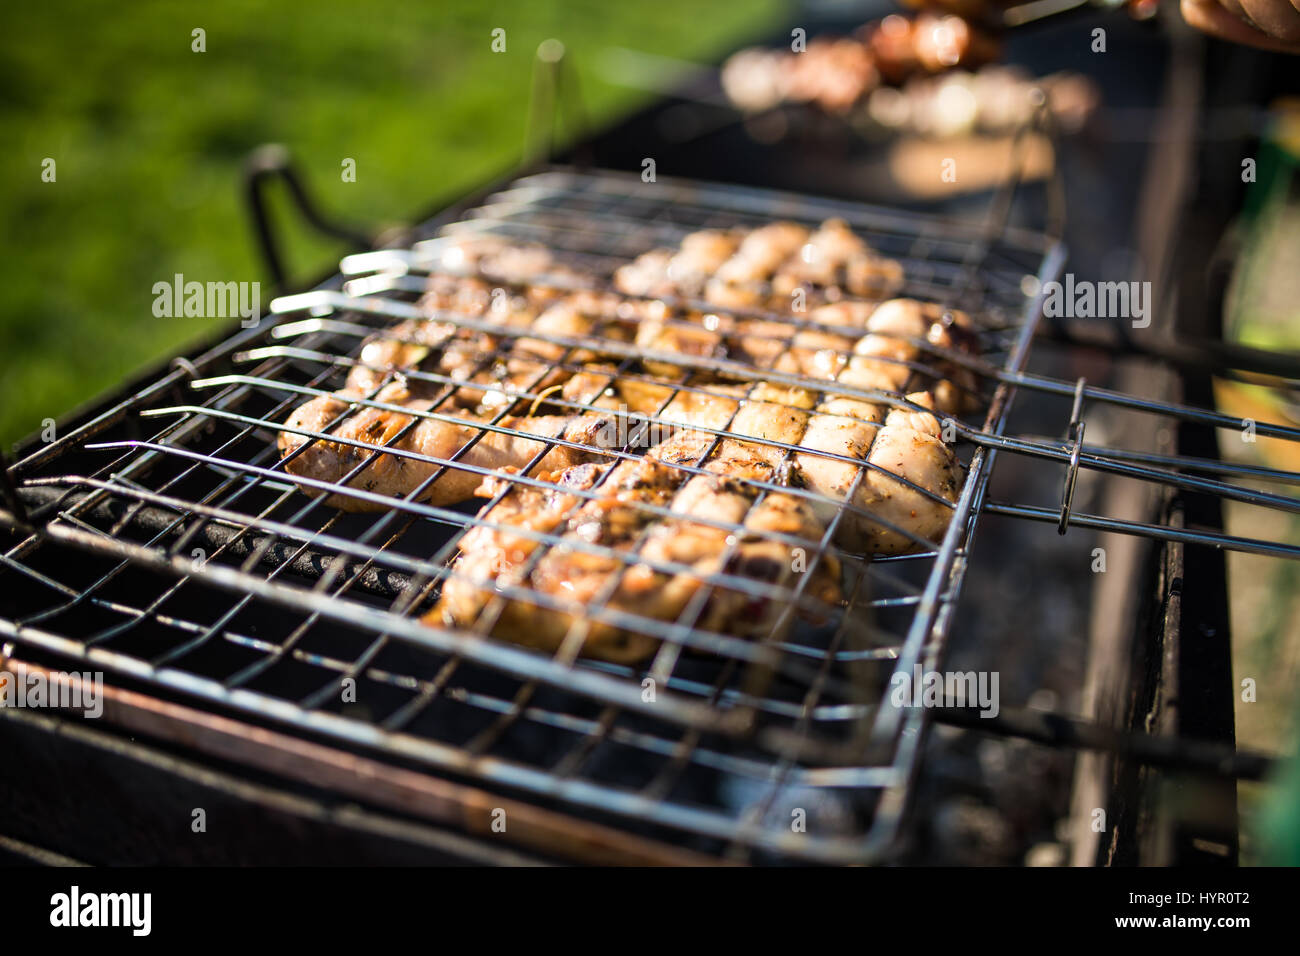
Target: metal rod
<point x="1168" y="753"/>
<point x="1161" y="532"/>
<point x="272" y="162"/>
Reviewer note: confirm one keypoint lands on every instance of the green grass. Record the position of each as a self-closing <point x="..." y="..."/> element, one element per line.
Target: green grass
<point x="149" y="137"/>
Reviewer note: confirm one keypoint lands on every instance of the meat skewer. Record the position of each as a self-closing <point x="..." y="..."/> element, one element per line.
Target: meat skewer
<point x="837" y="73"/>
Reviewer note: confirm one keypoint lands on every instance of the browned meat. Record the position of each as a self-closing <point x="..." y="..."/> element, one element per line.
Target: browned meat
<point x="332" y="459"/>
<point x="837" y="73"/>
<point x="908" y="446"/>
<point x="626" y="573"/>
<point x="766" y="268"/>
<point x="888" y="357"/>
<point x="833" y="73"/>
<point x="648" y="536"/>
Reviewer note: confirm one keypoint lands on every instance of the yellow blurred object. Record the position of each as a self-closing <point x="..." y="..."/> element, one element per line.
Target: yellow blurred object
<point x="1263" y="303"/>
<point x="932" y="169"/>
<point x="1287" y="131"/>
<point x="1244" y="402"/>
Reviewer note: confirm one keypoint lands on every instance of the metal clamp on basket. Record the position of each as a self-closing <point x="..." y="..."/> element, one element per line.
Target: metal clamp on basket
<point x="1074" y="433"/>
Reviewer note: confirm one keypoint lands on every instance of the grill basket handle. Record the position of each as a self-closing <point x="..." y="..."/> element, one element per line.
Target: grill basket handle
<point x="271" y="162"/>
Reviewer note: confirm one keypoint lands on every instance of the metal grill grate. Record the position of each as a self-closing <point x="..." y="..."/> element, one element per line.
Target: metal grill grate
<point x="205" y="570"/>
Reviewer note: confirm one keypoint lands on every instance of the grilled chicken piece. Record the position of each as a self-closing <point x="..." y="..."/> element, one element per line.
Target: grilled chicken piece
<point x="331" y="459"/>
<point x="403" y="347"/>
<point x="913" y="367"/>
<point x="492" y="256"/>
<point x="679" y="337"/>
<point x="844" y="427"/>
<point x="647" y="274"/>
<point x="744" y="280"/>
<point x="701" y="255"/>
<point x="594" y="386"/>
<point x="887" y="357"/>
<point x="762" y="251"/>
<point x="681" y="272"/>
<point x="835" y="258"/>
<point x="728" y="493"/>
<point x="768" y="265"/>
<point x="901" y="444"/>
<point x="581" y="315"/>
<point x="956" y="387"/>
<point x="409" y="344"/>
<point x="908" y="446"/>
<point x="642" y="395"/>
<point x="494" y="558"/>
<point x="770" y="413"/>
<point x="572" y="578"/>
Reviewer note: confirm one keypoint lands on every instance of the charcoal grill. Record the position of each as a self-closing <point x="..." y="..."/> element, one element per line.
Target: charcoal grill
<point x="187" y="463"/>
<point x="159" y="540"/>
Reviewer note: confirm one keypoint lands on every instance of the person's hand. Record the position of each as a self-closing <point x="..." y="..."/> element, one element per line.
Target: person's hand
<point x="1268" y="24"/>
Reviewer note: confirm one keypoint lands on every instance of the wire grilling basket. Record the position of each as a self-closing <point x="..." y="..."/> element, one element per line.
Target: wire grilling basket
<point x="164" y="541"/>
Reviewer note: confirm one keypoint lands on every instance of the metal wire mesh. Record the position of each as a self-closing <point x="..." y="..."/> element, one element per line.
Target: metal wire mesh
<point x="201" y="567"/>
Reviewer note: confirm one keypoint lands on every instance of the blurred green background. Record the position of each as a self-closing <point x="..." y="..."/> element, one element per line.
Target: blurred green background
<point x="148" y="138"/>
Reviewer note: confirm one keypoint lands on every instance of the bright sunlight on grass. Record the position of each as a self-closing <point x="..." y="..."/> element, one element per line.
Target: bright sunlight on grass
<point x="148" y="138"/>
